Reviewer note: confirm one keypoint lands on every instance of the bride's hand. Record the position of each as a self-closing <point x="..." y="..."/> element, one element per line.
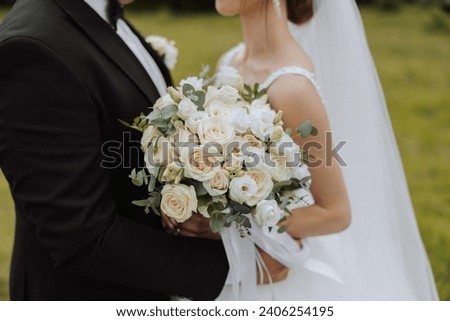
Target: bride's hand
<point x="278" y="272"/>
<point x="196" y="226"/>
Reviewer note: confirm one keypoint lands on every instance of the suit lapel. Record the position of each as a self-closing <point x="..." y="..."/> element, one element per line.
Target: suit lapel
<point x="111" y="44"/>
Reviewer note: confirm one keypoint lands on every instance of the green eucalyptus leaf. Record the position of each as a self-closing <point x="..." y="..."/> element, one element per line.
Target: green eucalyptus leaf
<point x="168" y="112"/>
<point x="124" y="123"/>
<point x="217" y="221"/>
<point x="142" y="203"/>
<point x="305" y="130"/>
<point x="188" y="90"/>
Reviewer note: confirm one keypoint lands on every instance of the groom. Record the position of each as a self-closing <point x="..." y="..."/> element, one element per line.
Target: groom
<point x="69" y="69"/>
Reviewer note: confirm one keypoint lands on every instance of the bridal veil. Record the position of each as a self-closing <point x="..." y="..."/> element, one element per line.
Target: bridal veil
<point x="381" y="256"/>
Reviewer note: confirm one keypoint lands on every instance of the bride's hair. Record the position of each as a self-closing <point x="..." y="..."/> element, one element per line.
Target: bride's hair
<point x="300" y="11"/>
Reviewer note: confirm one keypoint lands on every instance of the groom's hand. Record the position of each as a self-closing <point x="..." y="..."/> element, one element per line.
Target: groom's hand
<point x="196" y="226"/>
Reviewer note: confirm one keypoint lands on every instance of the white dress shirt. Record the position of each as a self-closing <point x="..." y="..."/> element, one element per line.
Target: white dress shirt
<point x="133" y="42"/>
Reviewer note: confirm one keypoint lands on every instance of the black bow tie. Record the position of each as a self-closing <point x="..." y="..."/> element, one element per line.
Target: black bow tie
<point x="115" y="11"/>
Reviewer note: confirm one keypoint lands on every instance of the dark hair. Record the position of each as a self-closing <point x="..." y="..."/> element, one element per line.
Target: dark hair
<point x="300" y="11"/>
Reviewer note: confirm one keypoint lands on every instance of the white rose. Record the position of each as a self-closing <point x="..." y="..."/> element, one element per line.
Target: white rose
<point x="165" y="49"/>
<point x="178" y="202"/>
<point x="215" y="130"/>
<point x="195" y="82"/>
<point x="268" y="213"/>
<point x="164" y="101"/>
<point x="262" y="123"/>
<point x="218" y="185"/>
<point x="241" y="120"/>
<point x="171" y="56"/>
<point x="261" y="103"/>
<point x="278" y="167"/>
<point x="212" y="95"/>
<point x="226" y="94"/>
<point x="219" y="109"/>
<point x="263" y="182"/>
<point x="186" y="108"/>
<point x="229" y="76"/>
<point x="194" y="119"/>
<point x="242" y="189"/>
<point x="200" y="164"/>
<point x="172" y="174"/>
<point x="148" y="135"/>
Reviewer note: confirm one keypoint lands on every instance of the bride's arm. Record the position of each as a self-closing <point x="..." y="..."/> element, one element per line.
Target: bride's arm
<point x="299" y="101"/>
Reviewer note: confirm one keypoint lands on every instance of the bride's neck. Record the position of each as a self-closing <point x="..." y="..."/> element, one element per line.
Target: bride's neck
<point x="265" y="34"/>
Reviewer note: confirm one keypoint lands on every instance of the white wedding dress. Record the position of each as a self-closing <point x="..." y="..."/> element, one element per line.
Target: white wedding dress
<point x="381" y="256"/>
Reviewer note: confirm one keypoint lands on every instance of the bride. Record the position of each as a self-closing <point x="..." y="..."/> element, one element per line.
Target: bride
<point x="380" y="256"/>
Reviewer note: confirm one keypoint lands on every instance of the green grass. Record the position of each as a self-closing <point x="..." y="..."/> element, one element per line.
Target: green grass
<point x="411" y="50"/>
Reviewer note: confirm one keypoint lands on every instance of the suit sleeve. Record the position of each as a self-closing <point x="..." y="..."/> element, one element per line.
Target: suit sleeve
<point x="50" y="152"/>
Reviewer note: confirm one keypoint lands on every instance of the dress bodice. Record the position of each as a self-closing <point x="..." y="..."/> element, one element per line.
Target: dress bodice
<point x="237" y="53"/>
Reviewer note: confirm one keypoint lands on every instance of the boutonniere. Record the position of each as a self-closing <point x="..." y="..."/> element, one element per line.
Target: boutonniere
<point x="165" y="48"/>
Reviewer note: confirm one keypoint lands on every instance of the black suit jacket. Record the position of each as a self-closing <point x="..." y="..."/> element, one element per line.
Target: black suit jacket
<point x="65" y="80"/>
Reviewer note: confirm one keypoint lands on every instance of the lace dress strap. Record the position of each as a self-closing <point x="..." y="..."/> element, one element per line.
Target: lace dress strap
<point x="291" y="70"/>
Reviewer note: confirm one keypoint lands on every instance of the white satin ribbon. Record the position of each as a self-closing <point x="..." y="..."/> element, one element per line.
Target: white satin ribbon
<point x="280" y="246"/>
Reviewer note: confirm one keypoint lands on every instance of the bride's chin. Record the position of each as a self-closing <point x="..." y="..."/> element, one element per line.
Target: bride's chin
<point x="228" y="8"/>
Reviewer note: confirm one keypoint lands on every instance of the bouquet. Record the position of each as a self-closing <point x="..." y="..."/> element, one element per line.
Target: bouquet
<point x="221" y="150"/>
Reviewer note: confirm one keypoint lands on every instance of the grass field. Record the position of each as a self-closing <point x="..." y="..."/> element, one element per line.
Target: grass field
<point x="411" y="48"/>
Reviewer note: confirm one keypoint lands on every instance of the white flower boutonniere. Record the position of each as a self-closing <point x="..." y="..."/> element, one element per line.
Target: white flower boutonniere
<point x="165" y="48"/>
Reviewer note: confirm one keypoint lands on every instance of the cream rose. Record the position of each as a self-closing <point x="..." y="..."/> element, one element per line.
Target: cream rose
<point x="218" y="185"/>
<point x="226" y="94"/>
<point x="179" y="202"/>
<point x="264" y="185"/>
<point x="194" y="120"/>
<point x="219" y="109"/>
<point x="186" y="108"/>
<point x="267" y="213"/>
<point x="215" y="130"/>
<point x="200" y="164"/>
<point x="278" y="167"/>
<point x="243" y="189"/>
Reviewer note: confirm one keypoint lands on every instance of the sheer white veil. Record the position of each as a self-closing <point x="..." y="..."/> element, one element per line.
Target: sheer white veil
<point x="381" y="256"/>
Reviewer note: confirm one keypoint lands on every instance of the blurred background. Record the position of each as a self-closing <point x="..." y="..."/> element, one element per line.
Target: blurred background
<point x="410" y="41"/>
